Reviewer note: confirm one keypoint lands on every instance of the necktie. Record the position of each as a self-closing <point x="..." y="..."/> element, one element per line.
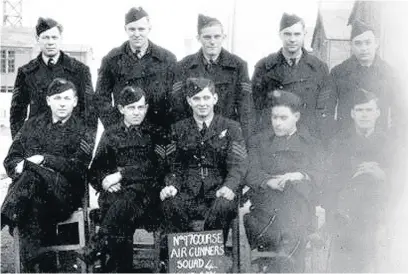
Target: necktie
<point x="50" y="62"/>
<point x="292" y="62"/>
<point x="204" y="129"/>
<point x="138" y="54"/>
<point x="210" y="65"/>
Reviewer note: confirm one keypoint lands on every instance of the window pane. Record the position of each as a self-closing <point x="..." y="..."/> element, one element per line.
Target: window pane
<point x="3" y="54"/>
<point x="11" y="67"/>
<point x="11" y="54"/>
<point x="3" y="89"/>
<point x="3" y="67"/>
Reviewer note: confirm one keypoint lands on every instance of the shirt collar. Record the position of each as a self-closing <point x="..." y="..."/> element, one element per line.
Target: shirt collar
<point x="297" y="57"/>
<point x="207" y="60"/>
<point x="55" y="58"/>
<point x="142" y="51"/>
<point x="207" y="121"/>
<point x="366" y="134"/>
<point x="57" y="121"/>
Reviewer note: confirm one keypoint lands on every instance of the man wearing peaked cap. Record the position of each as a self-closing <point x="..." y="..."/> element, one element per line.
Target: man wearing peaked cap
<point x="208" y="163"/>
<point x="126" y="171"/>
<point x="228" y="72"/>
<point x="293" y="69"/>
<point x="140" y="63"/>
<point x="284" y="174"/>
<point x="30" y="87"/>
<point x="46" y="162"/>
<point x="365" y="69"/>
<point x="361" y="160"/>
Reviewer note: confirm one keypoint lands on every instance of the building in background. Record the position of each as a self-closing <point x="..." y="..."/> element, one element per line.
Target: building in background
<point x="18" y="46"/>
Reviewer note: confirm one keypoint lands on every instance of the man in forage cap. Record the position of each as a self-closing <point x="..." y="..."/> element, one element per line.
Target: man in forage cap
<point x="365" y="69"/>
<point x="33" y="79"/>
<point x="138" y="62"/>
<point x="228" y="72"/>
<point x="284" y="174"/>
<point x="47" y="162"/>
<point x="357" y="194"/>
<point x="293" y="69"/>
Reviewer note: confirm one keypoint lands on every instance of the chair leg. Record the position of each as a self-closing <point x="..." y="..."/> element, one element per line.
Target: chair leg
<point x="235" y="246"/>
<point x="157" y="239"/>
<point x="17" y="256"/>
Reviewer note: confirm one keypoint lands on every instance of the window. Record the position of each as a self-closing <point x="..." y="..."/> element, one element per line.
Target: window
<point x="8" y="61"/>
<point x="5" y="89"/>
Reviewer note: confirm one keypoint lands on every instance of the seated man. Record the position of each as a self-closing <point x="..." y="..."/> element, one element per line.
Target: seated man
<point x="357" y="193"/>
<point x="46" y="161"/>
<point x="126" y="172"/>
<point x="283" y="174"/>
<point x="207" y="165"/>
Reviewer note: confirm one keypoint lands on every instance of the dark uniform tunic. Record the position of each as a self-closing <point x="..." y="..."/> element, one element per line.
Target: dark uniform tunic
<point x="356" y="207"/>
<point x="129" y="150"/>
<point x="201" y="166"/>
<point x="309" y="79"/>
<point x="378" y="79"/>
<point x="230" y="76"/>
<point x="280" y="220"/>
<point x="44" y="194"/>
<point x="153" y="73"/>
<point x="30" y="89"/>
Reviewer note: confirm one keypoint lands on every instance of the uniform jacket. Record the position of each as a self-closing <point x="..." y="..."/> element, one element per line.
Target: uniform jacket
<point x="207" y="163"/>
<point x="31" y="85"/>
<point x="270" y="155"/>
<point x="309" y="79"/>
<point x="378" y="78"/>
<point x="153" y="73"/>
<point x="230" y="76"/>
<point x="132" y="152"/>
<point x="67" y="151"/>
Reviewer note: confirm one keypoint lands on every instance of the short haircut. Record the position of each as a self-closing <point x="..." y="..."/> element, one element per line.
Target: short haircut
<point x="287" y="99"/>
<point x="59" y="85"/>
<point x="129" y="95"/>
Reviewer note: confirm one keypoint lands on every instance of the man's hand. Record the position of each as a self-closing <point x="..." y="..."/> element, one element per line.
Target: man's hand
<point x="372" y="168"/>
<point x="168" y="191"/>
<point x="225" y="192"/>
<point x="36" y="159"/>
<point x="110" y="181"/>
<point x="19" y="167"/>
<point x="276" y="183"/>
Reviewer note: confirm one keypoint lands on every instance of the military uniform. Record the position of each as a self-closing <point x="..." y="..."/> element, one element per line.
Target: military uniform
<point x="309" y="79"/>
<point x="153" y="73"/>
<point x="356" y="205"/>
<point x="201" y="166"/>
<point x="44" y="194"/>
<point x="279" y="221"/>
<point x="130" y="150"/>
<point x="31" y="85"/>
<point x="377" y="78"/>
<point x="230" y="76"/>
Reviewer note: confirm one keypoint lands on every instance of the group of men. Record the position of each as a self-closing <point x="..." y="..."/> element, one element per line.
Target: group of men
<point x="182" y="138"/>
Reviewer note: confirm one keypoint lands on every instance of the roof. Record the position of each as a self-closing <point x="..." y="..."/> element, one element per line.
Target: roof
<point x="24" y="37"/>
<point x="334" y="18"/>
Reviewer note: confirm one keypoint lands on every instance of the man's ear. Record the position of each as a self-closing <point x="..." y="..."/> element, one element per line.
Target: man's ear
<point x="352" y="113"/>
<point x="297" y="115"/>
<point x="75" y="101"/>
<point x="48" y="100"/>
<point x="189" y="101"/>
<point x="215" y="98"/>
<point x="121" y="109"/>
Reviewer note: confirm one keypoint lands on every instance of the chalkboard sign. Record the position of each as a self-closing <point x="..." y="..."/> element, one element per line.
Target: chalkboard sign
<point x="197" y="252"/>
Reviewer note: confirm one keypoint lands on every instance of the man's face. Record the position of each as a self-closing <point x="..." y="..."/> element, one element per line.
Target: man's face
<point x="293" y="37"/>
<point x="203" y="103"/>
<point x="134" y="113"/>
<point x="284" y="120"/>
<point x="62" y="104"/>
<point x="50" y="41"/>
<point x="364" y="46"/>
<point x="211" y="39"/>
<point x="365" y="115"/>
<point x="138" y="32"/>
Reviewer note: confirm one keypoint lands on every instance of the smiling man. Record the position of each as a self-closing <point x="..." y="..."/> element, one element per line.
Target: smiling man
<point x="47" y="162"/>
<point x="365" y="69"/>
<point x="138" y="62"/>
<point x="30" y="88"/>
<point x="294" y="70"/>
<point x="126" y="172"/>
<point x="228" y="72"/>
<point x="208" y="163"/>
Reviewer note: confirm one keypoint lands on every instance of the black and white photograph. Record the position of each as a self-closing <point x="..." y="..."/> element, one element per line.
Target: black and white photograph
<point x="204" y="136"/>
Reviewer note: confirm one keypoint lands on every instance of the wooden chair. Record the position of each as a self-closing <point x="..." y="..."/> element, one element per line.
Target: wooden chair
<point x="80" y="220"/>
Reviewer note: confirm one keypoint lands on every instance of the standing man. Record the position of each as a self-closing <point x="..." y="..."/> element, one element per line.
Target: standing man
<point x="30" y="88"/>
<point x="358" y="192"/>
<point x="293" y="69"/>
<point x="140" y="63"/>
<point x="228" y="72"/>
<point x="284" y="173"/>
<point x="47" y="162"/>
<point x="365" y="69"/>
<point x="208" y="165"/>
<point x="126" y="171"/>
